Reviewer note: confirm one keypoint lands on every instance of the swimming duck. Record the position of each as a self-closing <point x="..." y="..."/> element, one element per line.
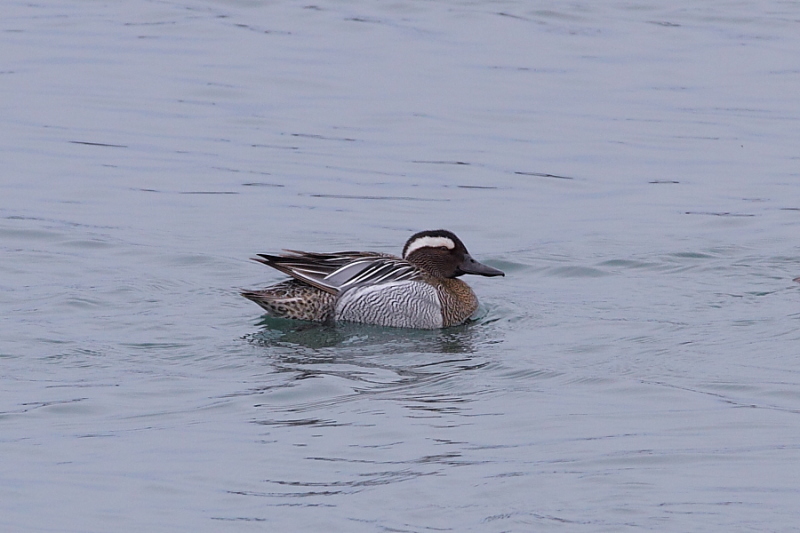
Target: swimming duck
<point x="419" y="290"/>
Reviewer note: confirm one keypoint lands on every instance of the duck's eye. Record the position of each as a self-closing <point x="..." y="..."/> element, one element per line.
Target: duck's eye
<point x="445" y="248"/>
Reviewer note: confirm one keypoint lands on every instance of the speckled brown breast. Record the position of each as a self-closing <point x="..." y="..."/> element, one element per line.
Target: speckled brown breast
<point x="458" y="301"/>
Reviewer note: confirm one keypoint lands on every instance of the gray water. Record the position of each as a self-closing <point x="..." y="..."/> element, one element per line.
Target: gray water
<point x="633" y="167"/>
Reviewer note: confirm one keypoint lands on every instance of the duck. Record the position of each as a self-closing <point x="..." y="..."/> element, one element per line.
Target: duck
<point x="418" y="290"/>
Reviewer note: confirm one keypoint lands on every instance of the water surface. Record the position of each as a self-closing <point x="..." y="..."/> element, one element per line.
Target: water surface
<point x="632" y="167"/>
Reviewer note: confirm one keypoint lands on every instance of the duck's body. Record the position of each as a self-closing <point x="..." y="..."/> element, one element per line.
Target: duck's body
<point x="419" y="290"/>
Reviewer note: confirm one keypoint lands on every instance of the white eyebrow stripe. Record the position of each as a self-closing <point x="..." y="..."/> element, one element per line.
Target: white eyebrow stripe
<point x="430" y="242"/>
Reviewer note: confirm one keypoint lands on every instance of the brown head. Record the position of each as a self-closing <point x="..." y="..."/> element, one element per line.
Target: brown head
<point x="442" y="254"/>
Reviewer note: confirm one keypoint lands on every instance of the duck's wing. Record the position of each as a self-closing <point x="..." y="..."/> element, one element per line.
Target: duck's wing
<point x="339" y="271"/>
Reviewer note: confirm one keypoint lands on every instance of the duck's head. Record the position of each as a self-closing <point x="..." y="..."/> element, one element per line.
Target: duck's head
<point x="442" y="254"/>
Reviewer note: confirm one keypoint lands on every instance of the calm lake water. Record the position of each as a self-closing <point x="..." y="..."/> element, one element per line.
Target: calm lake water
<point x="633" y="167"/>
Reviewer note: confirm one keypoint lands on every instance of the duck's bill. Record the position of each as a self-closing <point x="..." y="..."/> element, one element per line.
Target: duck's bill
<point x="470" y="266"/>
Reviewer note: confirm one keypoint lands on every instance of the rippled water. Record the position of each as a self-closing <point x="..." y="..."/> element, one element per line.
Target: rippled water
<point x="632" y="167"/>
